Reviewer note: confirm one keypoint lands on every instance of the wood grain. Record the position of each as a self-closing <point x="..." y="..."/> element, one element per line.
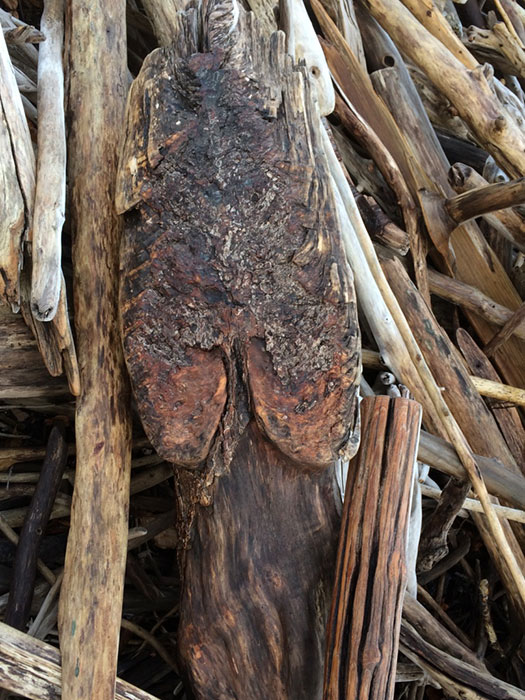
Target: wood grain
<point x="91" y="595"/>
<point x="362" y="637"/>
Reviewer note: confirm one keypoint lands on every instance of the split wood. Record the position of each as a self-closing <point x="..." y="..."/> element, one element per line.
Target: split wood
<point x="363" y="629"/>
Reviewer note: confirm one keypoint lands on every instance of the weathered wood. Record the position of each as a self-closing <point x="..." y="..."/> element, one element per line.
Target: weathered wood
<point x="501" y="481"/>
<point x="24" y="376"/>
<point x="17" y="168"/>
<point x="468" y="90"/>
<point x="31" y="668"/>
<point x="50" y="194"/>
<point x="469" y="297"/>
<point x="499" y="391"/>
<point x="433" y="20"/>
<point x="258" y="577"/>
<point x="362" y="637"/>
<point x="500" y="338"/>
<point x="24" y="568"/>
<point x="458" y="678"/>
<point x="475" y="261"/>
<point x="507" y="418"/>
<point x="506" y="222"/>
<point x="472" y="415"/>
<point x="289" y="287"/>
<point x="382" y="229"/>
<point x="91" y="594"/>
<point x="232" y="242"/>
<point x="54" y="338"/>
<point x="483" y="200"/>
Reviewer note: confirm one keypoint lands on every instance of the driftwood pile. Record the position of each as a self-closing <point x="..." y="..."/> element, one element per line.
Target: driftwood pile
<point x="409" y="118"/>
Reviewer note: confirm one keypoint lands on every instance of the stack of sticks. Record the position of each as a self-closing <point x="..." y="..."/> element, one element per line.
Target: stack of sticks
<point x="426" y="147"/>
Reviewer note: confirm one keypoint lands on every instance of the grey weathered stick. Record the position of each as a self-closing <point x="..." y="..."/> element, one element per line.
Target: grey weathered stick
<point x="91" y="595"/>
<point x="50" y="192"/>
<point x="31" y="668"/>
<point x="17" y="167"/>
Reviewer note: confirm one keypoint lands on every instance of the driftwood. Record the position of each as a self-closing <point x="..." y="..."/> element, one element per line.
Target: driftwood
<point x="91" y="595"/>
<point x="50" y="195"/>
<point x="508" y="418"/>
<point x="24" y="570"/>
<point x="31" y="668"/>
<point x="370" y="579"/>
<point x="241" y="330"/>
<point x="389" y="149"/>
<point x="18" y="174"/>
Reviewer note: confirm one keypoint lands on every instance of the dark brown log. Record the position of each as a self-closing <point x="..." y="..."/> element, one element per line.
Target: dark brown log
<point x="258" y="577"/>
<point x="362" y="637"/>
<point x="24" y="569"/>
<point x="240" y="331"/>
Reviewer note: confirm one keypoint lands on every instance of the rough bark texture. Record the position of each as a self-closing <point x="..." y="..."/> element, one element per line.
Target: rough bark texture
<point x="240" y="330"/>
<point x="235" y="221"/>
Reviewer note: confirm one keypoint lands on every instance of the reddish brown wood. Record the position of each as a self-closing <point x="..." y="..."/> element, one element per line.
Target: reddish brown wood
<point x="362" y="638"/>
<point x="241" y="338"/>
<point x="237" y="226"/>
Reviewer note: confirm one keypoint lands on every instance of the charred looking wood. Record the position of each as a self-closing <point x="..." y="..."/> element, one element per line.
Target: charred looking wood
<point x="24" y="569"/>
<point x="241" y="339"/>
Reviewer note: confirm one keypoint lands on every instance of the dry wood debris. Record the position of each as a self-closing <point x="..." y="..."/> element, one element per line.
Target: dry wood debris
<point x="422" y="109"/>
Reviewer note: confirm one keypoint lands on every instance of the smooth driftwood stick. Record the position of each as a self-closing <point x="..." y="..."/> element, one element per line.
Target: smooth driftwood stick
<point x="483" y="200"/>
<point x="362" y="637"/>
<point x="31" y="668"/>
<point x="506" y="222"/>
<point x="50" y="195"/>
<point x="91" y="595"/>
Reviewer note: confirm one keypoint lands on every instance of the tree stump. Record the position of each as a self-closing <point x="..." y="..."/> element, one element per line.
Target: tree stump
<point x="241" y="339"/>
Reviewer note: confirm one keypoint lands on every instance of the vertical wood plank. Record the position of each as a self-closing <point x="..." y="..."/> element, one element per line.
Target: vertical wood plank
<point x="363" y="629"/>
<point x="91" y="598"/>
